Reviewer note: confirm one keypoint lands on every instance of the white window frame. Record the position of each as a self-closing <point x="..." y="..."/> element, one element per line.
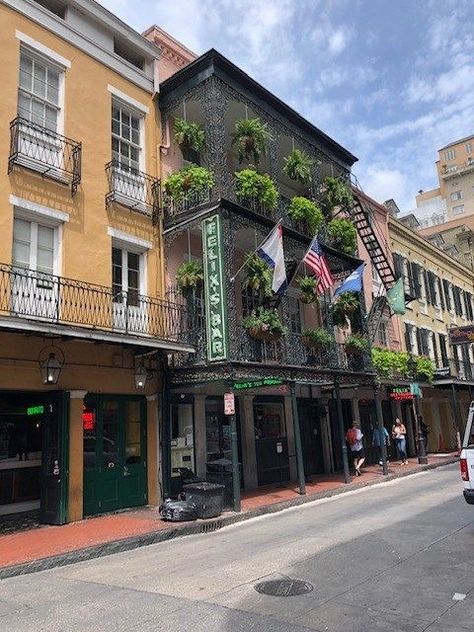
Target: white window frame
<point x="468" y="148"/>
<point x="34" y="230"/>
<point x="456" y="195"/>
<point x="450" y="154"/>
<point x="134" y="111"/>
<point x="456" y="210"/>
<point x="51" y="61"/>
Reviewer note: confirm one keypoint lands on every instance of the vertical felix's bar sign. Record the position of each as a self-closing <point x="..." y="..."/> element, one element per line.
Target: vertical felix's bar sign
<point x="214" y="291"/>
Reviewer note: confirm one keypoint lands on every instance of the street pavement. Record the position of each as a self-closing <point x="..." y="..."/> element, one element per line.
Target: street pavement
<point x="396" y="557"/>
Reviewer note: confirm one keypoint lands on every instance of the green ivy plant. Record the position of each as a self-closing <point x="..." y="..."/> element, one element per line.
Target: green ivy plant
<point x="302" y="209"/>
<point x="251" y="185"/>
<point x="343" y="308"/>
<point x="258" y="276"/>
<point x="335" y="193"/>
<point x="318" y="338"/>
<point x="298" y="166"/>
<point x="251" y="137"/>
<point x="189" y="181"/>
<point x="425" y="367"/>
<point x="356" y="344"/>
<point x="342" y="235"/>
<point x="188" y="134"/>
<point x="307" y="285"/>
<point x="264" y="324"/>
<point x="189" y="276"/>
<point x="388" y="363"/>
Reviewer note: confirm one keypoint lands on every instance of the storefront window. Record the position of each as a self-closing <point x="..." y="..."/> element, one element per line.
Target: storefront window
<point x="218" y="439"/>
<point x="132" y="432"/>
<point x="269" y="420"/>
<point x="182" y="436"/>
<point x="89" y="420"/>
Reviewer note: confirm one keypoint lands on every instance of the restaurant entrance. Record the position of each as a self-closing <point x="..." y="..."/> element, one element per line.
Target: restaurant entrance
<point x="33" y="454"/>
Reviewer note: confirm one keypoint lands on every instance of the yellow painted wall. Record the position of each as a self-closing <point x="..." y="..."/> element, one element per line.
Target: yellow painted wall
<point x="86" y="251"/>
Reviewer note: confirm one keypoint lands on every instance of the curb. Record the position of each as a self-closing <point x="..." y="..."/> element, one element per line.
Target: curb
<point x="194" y="528"/>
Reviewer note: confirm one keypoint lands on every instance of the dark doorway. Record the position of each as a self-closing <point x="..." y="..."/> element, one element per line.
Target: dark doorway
<point x="309" y="413"/>
<point x="335" y="434"/>
<point x="271" y="443"/>
<point x="34" y="454"/>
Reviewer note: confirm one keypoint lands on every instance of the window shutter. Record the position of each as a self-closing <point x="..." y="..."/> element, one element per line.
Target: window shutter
<point x="441" y="293"/>
<point x="398" y="264"/>
<point x="443" y="349"/>
<point x="431" y="280"/>
<point x="427" y="287"/>
<point x="408" y="337"/>
<point x="419" y="342"/>
<point x="416" y="279"/>
<point x="447" y="298"/>
<point x="435" y="348"/>
<point x="468" y="304"/>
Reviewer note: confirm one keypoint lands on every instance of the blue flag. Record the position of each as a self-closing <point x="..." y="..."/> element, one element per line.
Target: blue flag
<point x="353" y="283"/>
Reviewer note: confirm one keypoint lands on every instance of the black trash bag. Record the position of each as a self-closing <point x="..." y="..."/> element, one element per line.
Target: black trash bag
<point x="178" y="510"/>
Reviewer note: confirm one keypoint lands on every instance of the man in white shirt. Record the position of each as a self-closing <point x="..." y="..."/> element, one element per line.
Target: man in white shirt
<point x="354" y="439"/>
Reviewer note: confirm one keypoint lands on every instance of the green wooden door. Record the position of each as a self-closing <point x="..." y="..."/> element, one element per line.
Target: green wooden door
<point x="115" y="454"/>
<point x="54" y="459"/>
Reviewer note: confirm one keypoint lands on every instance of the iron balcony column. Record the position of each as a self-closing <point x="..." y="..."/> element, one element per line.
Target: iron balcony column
<point x="298" y="447"/>
<point x="380" y="428"/>
<point x="340" y="420"/>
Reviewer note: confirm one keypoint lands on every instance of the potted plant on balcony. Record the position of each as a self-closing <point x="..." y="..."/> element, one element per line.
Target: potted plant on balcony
<point x="188" y="182"/>
<point x="264" y="324"/>
<point x="298" y="166"/>
<point x="253" y="186"/>
<point x="356" y="344"/>
<point x="189" y="276"/>
<point x="251" y="137"/>
<point x="342" y="235"/>
<point x="303" y="210"/>
<point x="258" y="276"/>
<point x="343" y="308"/>
<point x="319" y="338"/>
<point x="335" y="193"/>
<point x="189" y="135"/>
<point x="307" y="285"/>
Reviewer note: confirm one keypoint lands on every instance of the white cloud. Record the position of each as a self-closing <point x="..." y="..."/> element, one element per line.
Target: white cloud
<point x="338" y="41"/>
<point x="383" y="184"/>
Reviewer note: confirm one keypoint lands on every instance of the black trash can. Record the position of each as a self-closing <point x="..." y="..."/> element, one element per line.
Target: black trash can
<point x="207" y="497"/>
<point x="220" y="471"/>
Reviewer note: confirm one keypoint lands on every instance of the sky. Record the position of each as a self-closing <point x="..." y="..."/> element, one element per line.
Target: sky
<point x="392" y="81"/>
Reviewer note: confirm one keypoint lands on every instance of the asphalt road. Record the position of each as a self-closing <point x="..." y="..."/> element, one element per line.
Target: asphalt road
<point x="385" y="558"/>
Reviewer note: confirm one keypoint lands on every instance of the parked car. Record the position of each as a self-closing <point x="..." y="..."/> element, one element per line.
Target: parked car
<point x="467" y="458"/>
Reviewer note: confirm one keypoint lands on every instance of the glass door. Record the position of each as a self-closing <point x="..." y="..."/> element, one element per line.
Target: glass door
<point x="34" y="289"/>
<point x="127" y="273"/>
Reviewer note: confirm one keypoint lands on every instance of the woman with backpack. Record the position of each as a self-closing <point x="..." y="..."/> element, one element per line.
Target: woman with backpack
<point x="354" y="439"/>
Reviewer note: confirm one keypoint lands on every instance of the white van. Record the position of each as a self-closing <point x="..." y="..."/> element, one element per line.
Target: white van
<point x="467" y="458"/>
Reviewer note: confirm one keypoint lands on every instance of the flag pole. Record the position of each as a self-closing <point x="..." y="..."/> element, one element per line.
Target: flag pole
<point x="232" y="278"/>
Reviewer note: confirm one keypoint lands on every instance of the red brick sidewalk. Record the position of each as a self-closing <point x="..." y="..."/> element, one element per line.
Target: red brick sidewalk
<point x="51" y="541"/>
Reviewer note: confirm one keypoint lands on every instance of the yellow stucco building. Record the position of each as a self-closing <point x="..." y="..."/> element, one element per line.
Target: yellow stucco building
<point x="83" y="319"/>
<point x="441" y="289"/>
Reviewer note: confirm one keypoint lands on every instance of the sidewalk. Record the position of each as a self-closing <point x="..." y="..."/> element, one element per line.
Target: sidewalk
<point x="48" y="546"/>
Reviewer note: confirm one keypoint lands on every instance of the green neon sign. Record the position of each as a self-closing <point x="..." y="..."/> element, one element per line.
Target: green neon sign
<point x="214" y="290"/>
<point x="267" y="381"/>
<point x="35" y="410"/>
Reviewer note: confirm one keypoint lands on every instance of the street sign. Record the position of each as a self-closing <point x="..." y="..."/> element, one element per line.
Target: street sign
<point x="461" y="335"/>
<point x="229" y="404"/>
<point x="401" y="393"/>
<point x="266" y="381"/>
<point x="214" y="290"/>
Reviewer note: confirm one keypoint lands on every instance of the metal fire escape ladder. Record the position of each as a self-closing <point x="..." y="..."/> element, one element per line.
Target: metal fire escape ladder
<point x="360" y="216"/>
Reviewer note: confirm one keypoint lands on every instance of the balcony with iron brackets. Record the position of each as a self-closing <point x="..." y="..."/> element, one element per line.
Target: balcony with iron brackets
<point x="43" y="151"/>
<point x="133" y="189"/>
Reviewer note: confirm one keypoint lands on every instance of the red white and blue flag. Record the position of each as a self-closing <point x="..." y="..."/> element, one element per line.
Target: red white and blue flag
<point x="271" y="251"/>
<point x="315" y="260"/>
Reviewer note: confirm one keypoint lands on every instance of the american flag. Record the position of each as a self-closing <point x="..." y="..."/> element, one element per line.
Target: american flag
<point x="315" y="260"/>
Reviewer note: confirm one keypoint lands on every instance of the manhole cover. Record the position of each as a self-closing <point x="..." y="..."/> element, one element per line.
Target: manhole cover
<point x="284" y="587"/>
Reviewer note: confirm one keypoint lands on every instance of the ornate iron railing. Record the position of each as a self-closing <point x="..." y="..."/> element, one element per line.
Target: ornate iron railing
<point x="173" y="207"/>
<point x="132" y="188"/>
<point x="455" y="368"/>
<point x="39" y="149"/>
<point x="59" y="300"/>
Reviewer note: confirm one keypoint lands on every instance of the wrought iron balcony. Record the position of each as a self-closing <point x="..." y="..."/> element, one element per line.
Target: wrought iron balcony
<point x="455" y="369"/>
<point x="189" y="202"/>
<point x="39" y="149"/>
<point x="134" y="189"/>
<point x="59" y="300"/>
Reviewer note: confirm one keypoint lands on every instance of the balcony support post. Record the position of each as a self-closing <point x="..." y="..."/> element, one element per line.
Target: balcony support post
<point x="380" y="428"/>
<point x="340" y="421"/>
<point x="298" y="446"/>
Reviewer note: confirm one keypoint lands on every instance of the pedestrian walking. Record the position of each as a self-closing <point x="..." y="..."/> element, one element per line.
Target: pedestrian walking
<point x="354" y="438"/>
<point x="399" y="434"/>
<point x="379" y="438"/>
